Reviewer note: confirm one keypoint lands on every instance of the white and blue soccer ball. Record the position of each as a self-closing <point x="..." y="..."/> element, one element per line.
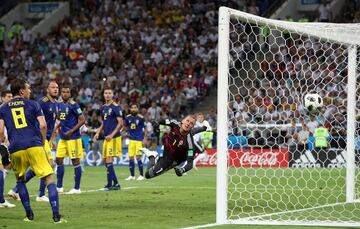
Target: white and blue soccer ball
<point x="313" y="102"/>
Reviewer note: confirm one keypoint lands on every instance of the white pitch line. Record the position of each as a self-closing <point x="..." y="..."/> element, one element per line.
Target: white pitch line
<point x="290" y="211"/>
<point x="93" y="190"/>
<point x="202" y="188"/>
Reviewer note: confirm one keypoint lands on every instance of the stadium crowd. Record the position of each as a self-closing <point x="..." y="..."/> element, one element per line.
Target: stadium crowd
<point x="159" y="54"/>
<point x="267" y="104"/>
<point x="162" y="55"/>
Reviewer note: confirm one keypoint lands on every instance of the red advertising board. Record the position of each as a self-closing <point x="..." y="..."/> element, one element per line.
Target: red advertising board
<point x="250" y="158"/>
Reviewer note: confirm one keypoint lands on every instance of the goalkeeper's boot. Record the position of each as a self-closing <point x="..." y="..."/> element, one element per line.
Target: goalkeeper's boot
<point x="179" y="171"/>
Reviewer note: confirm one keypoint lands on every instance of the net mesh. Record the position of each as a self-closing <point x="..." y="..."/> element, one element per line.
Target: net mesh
<point x="275" y="172"/>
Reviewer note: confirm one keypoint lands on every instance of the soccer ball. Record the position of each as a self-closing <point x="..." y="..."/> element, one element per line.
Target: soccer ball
<point x="313" y="102"/>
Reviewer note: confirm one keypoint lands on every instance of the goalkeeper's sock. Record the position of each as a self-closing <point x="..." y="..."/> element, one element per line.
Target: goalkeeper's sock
<point x="132" y="167"/>
<point x="42" y="187"/>
<point x="29" y="175"/>
<point x="108" y="174"/>
<point x="77" y="176"/>
<point x="2" y="200"/>
<point x="141" y="167"/>
<point x="24" y="196"/>
<point x="53" y="198"/>
<point x="60" y="175"/>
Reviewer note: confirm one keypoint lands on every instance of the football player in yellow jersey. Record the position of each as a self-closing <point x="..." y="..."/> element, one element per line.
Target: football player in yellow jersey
<point x="70" y="143"/>
<point x="112" y="122"/>
<point x="48" y="105"/>
<point x="26" y="127"/>
<point x="135" y="124"/>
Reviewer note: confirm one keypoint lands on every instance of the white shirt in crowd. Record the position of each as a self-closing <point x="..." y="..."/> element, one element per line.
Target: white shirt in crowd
<point x="92" y="57"/>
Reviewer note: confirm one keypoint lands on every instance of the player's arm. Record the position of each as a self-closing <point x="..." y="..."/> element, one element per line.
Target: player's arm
<point x="43" y="127"/>
<point x="198" y="130"/>
<point x="53" y="134"/>
<point x="98" y="131"/>
<point x="169" y="122"/>
<point x="81" y="121"/>
<point x="166" y="122"/>
<point x="2" y="131"/>
<point x="4" y="152"/>
<point x="120" y="123"/>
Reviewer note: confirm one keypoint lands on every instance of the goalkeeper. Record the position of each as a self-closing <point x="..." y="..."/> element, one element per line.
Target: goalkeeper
<point x="178" y="148"/>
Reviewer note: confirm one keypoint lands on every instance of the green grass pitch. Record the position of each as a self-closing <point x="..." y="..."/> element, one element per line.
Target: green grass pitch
<point x="163" y="202"/>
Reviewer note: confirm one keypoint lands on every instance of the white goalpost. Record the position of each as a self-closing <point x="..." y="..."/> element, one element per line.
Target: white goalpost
<point x="278" y="174"/>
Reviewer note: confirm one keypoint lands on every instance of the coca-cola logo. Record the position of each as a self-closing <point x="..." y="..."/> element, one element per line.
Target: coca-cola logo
<point x="260" y="159"/>
<point x="248" y="158"/>
<point x="213" y="159"/>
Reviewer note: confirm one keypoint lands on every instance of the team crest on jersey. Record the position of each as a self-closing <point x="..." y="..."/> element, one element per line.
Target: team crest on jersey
<point x="137" y="122"/>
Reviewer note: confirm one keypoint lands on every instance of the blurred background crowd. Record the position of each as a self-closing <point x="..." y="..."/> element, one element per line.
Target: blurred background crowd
<point x="162" y="55"/>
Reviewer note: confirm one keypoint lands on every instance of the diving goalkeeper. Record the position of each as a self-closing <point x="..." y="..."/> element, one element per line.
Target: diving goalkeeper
<point x="179" y="148"/>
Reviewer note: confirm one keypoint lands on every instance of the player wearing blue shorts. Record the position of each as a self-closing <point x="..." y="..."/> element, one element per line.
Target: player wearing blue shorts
<point x="49" y="108"/>
<point x="26" y="128"/>
<point x="135" y="124"/>
<point x="70" y="144"/>
<point x="112" y="122"/>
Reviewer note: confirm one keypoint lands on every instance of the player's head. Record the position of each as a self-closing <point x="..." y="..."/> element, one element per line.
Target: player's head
<point x="188" y="123"/>
<point x="53" y="89"/>
<point x="6" y="96"/>
<point x="134" y="109"/>
<point x="200" y="117"/>
<point x="65" y="92"/>
<point x="108" y="94"/>
<point x="19" y="87"/>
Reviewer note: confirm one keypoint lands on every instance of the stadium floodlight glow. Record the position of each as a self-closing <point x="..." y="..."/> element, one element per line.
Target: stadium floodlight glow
<point x="273" y="178"/>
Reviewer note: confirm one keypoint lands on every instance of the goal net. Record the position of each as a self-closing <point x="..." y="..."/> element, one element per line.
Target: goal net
<point x="276" y="162"/>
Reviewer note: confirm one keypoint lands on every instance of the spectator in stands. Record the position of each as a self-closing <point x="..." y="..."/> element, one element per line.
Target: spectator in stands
<point x="325" y="14"/>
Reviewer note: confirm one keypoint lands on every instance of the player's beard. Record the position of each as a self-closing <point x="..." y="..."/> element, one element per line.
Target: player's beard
<point x="134" y="113"/>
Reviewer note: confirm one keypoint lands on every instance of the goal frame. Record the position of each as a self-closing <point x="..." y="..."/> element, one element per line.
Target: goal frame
<point x="222" y="123"/>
